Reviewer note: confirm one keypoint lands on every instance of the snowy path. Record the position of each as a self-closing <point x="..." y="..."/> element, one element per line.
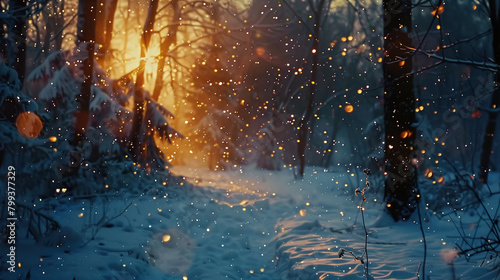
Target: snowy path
<point x="305" y="223"/>
<point x="297" y="228"/>
<point x="247" y="224"/>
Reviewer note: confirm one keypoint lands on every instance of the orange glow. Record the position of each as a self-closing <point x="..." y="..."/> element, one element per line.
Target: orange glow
<point x="428" y="173"/>
<point x="166" y="238"/>
<point x="401" y="63"/>
<point x="439" y="10"/>
<point x="53" y="139"/>
<point x="441" y="179"/>
<point x="476" y="114"/>
<point x="29" y="124"/>
<point x="406" y="133"/>
<point x="349" y="108"/>
<point x="302" y="212"/>
<point x="260" y="51"/>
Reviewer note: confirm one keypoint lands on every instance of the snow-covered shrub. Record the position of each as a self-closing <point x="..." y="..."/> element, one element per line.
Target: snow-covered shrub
<point x="56" y="85"/>
<point x="30" y="156"/>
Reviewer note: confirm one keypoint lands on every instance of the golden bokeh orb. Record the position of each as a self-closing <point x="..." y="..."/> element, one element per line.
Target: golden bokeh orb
<point x="29" y="124"/>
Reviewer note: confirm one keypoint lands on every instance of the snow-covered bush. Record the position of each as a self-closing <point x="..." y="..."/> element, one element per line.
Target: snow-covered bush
<point x="84" y="169"/>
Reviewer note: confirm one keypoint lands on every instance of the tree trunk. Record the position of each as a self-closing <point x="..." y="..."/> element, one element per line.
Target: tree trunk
<point x="165" y="47"/>
<point x="489" y="134"/>
<point x="399" y="112"/>
<point x="17" y="31"/>
<point x="100" y="21"/>
<point x="305" y="130"/>
<point x="85" y="38"/>
<point x="330" y="149"/>
<point x="136" y="138"/>
<point x="105" y="19"/>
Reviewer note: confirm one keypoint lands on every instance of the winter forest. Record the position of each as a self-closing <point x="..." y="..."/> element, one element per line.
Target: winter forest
<point x="249" y="139"/>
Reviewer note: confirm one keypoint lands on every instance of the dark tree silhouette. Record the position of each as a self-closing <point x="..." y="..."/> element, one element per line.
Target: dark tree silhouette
<point x="17" y="33"/>
<point x="105" y="19"/>
<point x="319" y="10"/>
<point x="492" y="110"/>
<point x="85" y="40"/>
<point x="399" y="112"/>
<point x="166" y="44"/>
<point x="136" y="143"/>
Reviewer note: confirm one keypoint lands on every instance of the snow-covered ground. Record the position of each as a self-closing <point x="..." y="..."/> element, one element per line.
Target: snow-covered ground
<point x="240" y="224"/>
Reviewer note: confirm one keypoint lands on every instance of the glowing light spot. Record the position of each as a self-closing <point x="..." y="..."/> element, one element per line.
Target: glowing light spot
<point x="438" y="27"/>
<point x="401" y="63"/>
<point x="406" y="134"/>
<point x="441" y="179"/>
<point x="438" y="10"/>
<point x="53" y="139"/>
<point x="29" y="124"/>
<point x="166" y="238"/>
<point x="80" y="215"/>
<point x="260" y="51"/>
<point x="349" y="108"/>
<point x="302" y="212"/>
<point x="428" y="173"/>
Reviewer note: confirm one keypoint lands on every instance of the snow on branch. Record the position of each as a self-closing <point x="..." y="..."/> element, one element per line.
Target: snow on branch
<point x="46" y="70"/>
<point x="63" y="86"/>
<point x="157" y="116"/>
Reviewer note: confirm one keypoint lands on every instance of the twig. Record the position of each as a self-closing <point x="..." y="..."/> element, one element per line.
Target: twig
<point x="103" y="223"/>
<point x="362" y="208"/>
<point x="425" y="243"/>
